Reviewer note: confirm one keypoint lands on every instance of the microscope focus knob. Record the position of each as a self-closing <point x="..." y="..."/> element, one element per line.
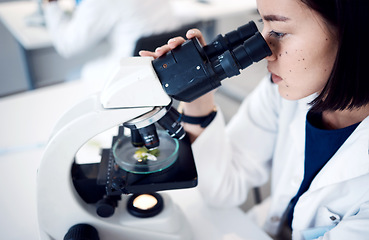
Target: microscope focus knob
<point x="106" y="207"/>
<point x="82" y="232"/>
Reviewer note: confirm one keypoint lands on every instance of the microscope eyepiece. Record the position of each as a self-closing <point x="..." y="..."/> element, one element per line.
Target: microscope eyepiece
<point x="252" y="50"/>
<point x="230" y="40"/>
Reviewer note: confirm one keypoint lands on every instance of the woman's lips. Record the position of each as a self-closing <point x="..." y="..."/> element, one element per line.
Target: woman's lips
<point x="276" y="79"/>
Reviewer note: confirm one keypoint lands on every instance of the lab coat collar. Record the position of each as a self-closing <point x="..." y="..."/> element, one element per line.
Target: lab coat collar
<point x="297" y="126"/>
<point x="350" y="161"/>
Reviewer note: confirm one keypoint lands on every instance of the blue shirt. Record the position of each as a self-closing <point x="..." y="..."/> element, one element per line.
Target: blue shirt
<point x="320" y="146"/>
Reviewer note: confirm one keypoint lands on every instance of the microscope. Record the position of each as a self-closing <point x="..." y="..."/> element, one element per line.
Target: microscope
<point x="117" y="197"/>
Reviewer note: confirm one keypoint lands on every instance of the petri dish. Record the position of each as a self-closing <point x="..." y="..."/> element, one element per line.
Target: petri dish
<point x="131" y="159"/>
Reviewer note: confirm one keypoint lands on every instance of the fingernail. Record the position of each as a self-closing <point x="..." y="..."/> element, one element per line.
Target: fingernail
<point x="157" y="49"/>
<point x="192" y="32"/>
<point x="171" y="40"/>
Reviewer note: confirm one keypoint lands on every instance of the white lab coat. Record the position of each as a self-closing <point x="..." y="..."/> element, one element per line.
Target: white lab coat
<point x="267" y="137"/>
<point x="119" y="22"/>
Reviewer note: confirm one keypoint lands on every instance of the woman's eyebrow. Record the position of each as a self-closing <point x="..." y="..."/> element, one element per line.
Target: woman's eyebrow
<point x="273" y="18"/>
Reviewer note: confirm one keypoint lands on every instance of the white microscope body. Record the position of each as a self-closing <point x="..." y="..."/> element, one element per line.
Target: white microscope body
<point x="133" y="90"/>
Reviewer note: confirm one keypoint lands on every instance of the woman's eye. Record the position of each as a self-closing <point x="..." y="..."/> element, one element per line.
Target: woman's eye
<point x="276" y="34"/>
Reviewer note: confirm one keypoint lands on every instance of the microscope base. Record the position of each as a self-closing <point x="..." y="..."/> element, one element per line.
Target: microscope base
<point x="170" y="224"/>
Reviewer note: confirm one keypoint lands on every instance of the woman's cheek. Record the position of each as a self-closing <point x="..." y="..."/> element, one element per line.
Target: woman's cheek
<point x="293" y="65"/>
<point x="296" y="75"/>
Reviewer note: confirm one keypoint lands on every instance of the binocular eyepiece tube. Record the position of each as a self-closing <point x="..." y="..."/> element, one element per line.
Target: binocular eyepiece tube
<point x="230" y="40"/>
<point x="189" y="71"/>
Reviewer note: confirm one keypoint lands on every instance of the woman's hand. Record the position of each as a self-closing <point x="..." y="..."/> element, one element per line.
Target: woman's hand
<point x="201" y="106"/>
<point x="173" y="43"/>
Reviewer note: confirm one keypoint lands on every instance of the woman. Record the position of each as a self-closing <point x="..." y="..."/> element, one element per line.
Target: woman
<point x="306" y="124"/>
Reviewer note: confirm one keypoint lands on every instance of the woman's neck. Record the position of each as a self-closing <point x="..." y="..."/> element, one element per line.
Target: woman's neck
<point x="344" y="118"/>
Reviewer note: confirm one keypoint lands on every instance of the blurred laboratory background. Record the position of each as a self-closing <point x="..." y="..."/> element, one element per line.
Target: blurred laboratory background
<point x="30" y="60"/>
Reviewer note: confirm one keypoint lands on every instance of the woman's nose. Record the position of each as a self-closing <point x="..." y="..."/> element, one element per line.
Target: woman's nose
<point x="271" y="57"/>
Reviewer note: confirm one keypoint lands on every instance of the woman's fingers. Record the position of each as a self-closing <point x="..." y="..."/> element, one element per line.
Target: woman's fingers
<point x="144" y="53"/>
<point x="172" y="43"/>
<point x="175" y="42"/>
<point x="196" y="33"/>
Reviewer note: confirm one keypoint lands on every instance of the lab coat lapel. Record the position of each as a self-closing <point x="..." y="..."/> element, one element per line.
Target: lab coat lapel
<point x="297" y="126"/>
<point x="350" y="161"/>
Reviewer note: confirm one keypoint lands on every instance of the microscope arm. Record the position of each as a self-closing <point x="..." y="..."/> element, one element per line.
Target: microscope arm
<point x="134" y="84"/>
<point x="132" y="91"/>
<point x="54" y="174"/>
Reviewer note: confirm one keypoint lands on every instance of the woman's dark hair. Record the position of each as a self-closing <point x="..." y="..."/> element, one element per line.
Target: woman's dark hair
<point x="348" y="84"/>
